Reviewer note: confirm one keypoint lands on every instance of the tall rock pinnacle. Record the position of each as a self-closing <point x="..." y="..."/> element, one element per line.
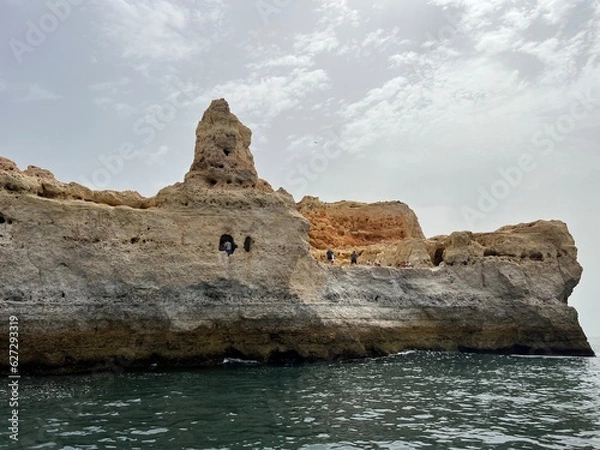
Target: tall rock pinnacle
<point x="222" y="155"/>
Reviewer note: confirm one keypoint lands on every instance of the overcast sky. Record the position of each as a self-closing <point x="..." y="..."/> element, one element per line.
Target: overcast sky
<point x="477" y="114"/>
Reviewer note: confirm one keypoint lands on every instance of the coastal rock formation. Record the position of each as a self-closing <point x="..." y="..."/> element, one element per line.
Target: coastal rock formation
<point x="112" y="281"/>
<point x="222" y="155"/>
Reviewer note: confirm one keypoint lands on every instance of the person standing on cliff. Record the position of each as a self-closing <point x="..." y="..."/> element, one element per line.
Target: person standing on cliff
<point x="330" y="256"/>
<point x="353" y="257"/>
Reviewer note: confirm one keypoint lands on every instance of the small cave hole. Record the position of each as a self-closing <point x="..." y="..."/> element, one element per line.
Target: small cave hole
<point x="536" y="256"/>
<point x="2" y="219"/>
<point x="248" y="242"/>
<point x="226" y="151"/>
<point x="224" y="239"/>
<point x="438" y="257"/>
<point x="212" y="181"/>
<point x="134" y="240"/>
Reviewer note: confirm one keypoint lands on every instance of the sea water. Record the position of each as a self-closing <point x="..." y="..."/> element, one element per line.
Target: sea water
<point x="413" y="400"/>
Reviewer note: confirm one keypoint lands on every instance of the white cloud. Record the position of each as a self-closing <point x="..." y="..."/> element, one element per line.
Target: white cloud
<point x="517" y="19"/>
<point x="263" y="99"/>
<point x="38" y="93"/>
<point x="381" y="38"/>
<point x="378" y="41"/>
<point x="501" y="40"/>
<point x="336" y="13"/>
<point x="162" y="30"/>
<point x="315" y="43"/>
<point x="554" y="11"/>
<point x="287" y="61"/>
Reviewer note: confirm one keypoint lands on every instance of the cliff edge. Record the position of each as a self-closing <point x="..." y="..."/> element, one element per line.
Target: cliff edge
<point x="105" y="279"/>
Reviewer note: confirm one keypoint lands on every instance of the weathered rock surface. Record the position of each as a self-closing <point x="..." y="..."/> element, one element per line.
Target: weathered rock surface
<point x="105" y="280"/>
<point x="41" y="183"/>
<point x="222" y="155"/>
<point x="354" y="224"/>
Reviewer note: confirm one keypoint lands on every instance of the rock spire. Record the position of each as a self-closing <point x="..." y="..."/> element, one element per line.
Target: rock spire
<point x="222" y="157"/>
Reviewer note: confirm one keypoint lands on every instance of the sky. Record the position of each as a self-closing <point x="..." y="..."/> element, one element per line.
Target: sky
<point x="476" y="114"/>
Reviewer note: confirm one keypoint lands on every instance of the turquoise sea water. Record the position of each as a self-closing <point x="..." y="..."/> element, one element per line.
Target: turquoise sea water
<point x="414" y="400"/>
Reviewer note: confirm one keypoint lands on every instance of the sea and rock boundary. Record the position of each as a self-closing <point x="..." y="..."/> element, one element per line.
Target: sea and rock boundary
<point x="100" y="279"/>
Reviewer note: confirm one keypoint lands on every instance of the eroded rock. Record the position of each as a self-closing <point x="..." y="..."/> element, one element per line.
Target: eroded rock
<point x="222" y="157"/>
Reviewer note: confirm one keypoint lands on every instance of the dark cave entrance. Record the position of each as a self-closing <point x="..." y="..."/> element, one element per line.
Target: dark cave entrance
<point x="227" y="238"/>
<point x="248" y="242"/>
<point x="438" y="257"/>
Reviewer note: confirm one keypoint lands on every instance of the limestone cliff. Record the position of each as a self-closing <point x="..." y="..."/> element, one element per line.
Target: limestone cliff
<point x="352" y="224"/>
<point x="105" y="279"/>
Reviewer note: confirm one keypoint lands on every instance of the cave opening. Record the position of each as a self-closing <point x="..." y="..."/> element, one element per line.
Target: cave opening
<point x="227" y="238"/>
<point x="2" y="219"/>
<point x="248" y="242"/>
<point x="438" y="256"/>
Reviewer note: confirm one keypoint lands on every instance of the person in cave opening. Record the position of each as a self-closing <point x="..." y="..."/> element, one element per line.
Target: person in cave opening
<point x="330" y="256"/>
<point x="228" y="247"/>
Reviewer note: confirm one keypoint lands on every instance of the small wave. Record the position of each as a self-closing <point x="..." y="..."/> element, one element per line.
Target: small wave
<point x="151" y="431"/>
<point x="404" y="352"/>
<point x="240" y="361"/>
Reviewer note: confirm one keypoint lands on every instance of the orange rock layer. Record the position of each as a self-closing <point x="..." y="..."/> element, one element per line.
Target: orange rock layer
<point x="352" y="224"/>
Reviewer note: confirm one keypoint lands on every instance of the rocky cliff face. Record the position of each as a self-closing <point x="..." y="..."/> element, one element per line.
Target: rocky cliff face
<point x="105" y="279"/>
<point x="354" y="224"/>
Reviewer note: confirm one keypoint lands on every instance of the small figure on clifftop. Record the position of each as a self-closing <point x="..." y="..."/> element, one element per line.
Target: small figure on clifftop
<point x="353" y="257"/>
<point x="330" y="256"/>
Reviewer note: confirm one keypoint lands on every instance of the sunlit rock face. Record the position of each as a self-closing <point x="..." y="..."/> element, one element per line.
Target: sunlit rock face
<point x="105" y="280"/>
<point x="347" y="223"/>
